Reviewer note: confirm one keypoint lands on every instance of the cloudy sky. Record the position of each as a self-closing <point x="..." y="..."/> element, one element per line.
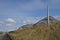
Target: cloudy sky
<point x="15" y="13"/>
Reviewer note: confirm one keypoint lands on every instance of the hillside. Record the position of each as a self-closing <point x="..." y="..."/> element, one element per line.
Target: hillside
<point x="39" y="31"/>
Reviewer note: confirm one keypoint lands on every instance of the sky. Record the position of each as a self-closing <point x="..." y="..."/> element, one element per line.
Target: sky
<point x="15" y="13"/>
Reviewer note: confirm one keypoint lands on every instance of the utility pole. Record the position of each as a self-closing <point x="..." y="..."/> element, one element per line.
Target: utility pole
<point x="48" y="15"/>
<point x="47" y="3"/>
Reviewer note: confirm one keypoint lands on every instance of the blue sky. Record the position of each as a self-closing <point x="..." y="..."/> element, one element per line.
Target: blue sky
<point x="15" y="13"/>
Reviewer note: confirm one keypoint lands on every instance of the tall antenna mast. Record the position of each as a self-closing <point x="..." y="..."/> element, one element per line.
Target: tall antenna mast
<point x="48" y="14"/>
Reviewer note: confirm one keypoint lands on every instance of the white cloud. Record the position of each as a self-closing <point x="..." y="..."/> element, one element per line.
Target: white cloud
<point x="8" y="24"/>
<point x="57" y="17"/>
<point x="24" y="22"/>
<point x="27" y="21"/>
<point x="30" y="20"/>
<point x="10" y="20"/>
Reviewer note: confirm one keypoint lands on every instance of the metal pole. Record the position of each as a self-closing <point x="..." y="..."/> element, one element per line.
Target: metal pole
<point x="48" y="15"/>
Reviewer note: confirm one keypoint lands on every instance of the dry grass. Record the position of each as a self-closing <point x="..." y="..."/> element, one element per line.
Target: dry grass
<point x="38" y="32"/>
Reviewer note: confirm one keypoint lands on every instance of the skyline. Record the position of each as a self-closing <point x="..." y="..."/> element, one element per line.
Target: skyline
<point x="15" y="13"/>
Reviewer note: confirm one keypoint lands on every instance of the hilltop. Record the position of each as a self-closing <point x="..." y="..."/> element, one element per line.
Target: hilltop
<point x="38" y="31"/>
